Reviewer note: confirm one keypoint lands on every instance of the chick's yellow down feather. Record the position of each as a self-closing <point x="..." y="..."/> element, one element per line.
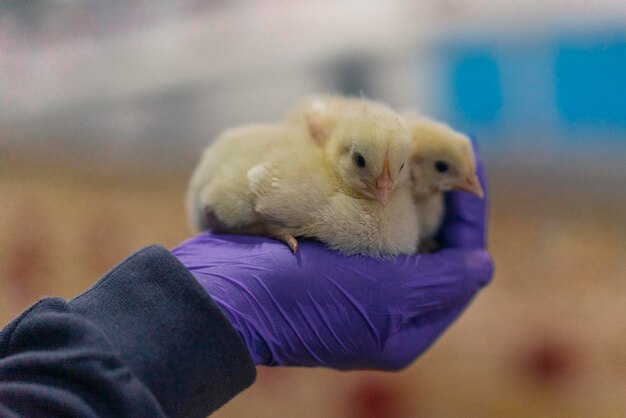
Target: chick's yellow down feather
<point x="273" y="180"/>
<point x="441" y="160"/>
<point x="357" y="131"/>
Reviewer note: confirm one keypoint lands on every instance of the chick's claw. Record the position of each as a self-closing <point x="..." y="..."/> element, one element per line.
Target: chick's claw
<point x="283" y="235"/>
<point x="291" y="242"/>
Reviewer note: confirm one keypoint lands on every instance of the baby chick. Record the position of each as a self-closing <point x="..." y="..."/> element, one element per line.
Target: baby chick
<point x="365" y="153"/>
<point x="441" y="160"/>
<point x="329" y="119"/>
<point x="273" y="180"/>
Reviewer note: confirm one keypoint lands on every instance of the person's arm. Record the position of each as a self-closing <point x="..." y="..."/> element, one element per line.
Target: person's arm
<point x="145" y="340"/>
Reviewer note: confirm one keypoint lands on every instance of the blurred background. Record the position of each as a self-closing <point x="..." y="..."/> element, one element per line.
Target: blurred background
<point x="105" y="106"/>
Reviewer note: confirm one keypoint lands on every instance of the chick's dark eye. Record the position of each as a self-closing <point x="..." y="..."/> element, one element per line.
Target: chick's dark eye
<point x="401" y="167"/>
<point x="359" y="160"/>
<point x="441" y="166"/>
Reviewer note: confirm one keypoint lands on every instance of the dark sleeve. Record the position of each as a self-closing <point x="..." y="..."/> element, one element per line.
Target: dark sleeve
<point x="145" y="340"/>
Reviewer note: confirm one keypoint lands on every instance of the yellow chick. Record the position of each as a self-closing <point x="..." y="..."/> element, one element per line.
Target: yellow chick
<point x="273" y="180"/>
<point x="335" y="121"/>
<point x="441" y="160"/>
<point x="366" y="153"/>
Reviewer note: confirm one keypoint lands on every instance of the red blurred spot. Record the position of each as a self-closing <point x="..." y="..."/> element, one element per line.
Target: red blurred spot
<point x="374" y="399"/>
<point x="550" y="361"/>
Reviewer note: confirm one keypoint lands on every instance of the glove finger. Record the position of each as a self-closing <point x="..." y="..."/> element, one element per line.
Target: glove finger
<point x="465" y="220"/>
<point x="437" y="281"/>
<point x="415" y="337"/>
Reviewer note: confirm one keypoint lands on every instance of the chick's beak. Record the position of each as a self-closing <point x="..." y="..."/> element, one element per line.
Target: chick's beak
<point x="384" y="185"/>
<point x="470" y="184"/>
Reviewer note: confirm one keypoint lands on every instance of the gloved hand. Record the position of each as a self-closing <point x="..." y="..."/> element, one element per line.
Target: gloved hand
<point x="322" y="308"/>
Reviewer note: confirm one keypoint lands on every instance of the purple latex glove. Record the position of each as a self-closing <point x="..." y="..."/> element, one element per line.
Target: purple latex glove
<point x="320" y="308"/>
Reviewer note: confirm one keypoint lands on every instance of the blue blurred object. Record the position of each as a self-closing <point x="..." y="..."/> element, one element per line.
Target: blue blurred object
<point x="590" y="80"/>
<point x="556" y="88"/>
<point x="475" y="86"/>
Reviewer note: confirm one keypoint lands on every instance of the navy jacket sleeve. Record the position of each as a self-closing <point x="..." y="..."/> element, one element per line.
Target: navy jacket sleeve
<point x="145" y="340"/>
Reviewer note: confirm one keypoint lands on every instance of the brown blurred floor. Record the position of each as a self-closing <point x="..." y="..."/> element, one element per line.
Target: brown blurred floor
<point x="547" y="338"/>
